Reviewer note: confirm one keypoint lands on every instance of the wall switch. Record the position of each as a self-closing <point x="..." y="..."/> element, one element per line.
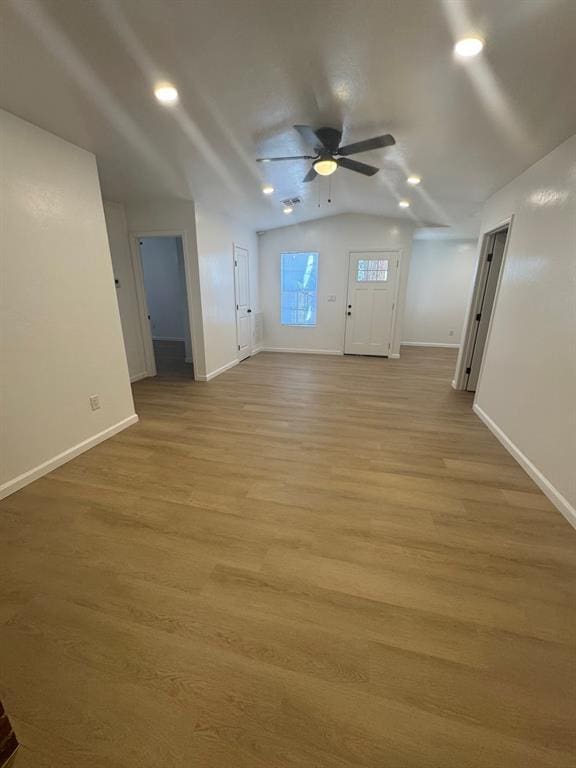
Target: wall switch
<point x="95" y="402"/>
<point x="332" y="297"/>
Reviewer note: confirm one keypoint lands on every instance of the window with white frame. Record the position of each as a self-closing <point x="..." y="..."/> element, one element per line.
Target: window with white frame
<point x="372" y="270"/>
<point x="298" y="288"/>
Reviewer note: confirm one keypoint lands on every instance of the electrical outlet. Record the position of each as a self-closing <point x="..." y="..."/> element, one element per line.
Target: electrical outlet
<point x="331" y="298"/>
<point x="450" y="333"/>
<point x="95" y="402"/>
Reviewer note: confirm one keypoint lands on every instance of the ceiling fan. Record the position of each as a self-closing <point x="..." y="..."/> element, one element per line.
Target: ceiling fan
<point x="326" y="144"/>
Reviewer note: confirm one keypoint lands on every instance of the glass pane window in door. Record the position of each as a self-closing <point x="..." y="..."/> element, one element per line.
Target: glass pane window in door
<point x="372" y="270"/>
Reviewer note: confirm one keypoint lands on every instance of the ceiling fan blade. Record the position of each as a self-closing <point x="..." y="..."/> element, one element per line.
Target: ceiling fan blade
<point x="311" y="175"/>
<point x="292" y="157"/>
<point x="354" y="165"/>
<point x="309" y="136"/>
<point x="365" y="146"/>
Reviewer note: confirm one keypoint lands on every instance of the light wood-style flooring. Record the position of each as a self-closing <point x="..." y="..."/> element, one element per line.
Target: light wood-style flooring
<point x="309" y="562"/>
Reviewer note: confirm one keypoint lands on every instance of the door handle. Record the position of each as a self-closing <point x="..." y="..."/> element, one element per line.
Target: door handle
<point x="348" y="313"/>
<point x="248" y="310"/>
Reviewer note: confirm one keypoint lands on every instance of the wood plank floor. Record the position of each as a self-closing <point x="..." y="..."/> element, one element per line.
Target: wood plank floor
<point x="309" y="562"/>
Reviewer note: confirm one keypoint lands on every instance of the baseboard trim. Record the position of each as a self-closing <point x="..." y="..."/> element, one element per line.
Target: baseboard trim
<point x="560" y="502"/>
<point x="168" y="338"/>
<point x="42" y="469"/>
<point x="138" y="376"/>
<point x="428" y="344"/>
<point x="217" y="372"/>
<point x="294" y="350"/>
<point x="255" y="351"/>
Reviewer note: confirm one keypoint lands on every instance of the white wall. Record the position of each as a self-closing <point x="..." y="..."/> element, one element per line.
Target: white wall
<point x="216" y="236"/>
<point x="527" y="385"/>
<point x="439" y="286"/>
<point x="165" y="289"/>
<point x="61" y="339"/>
<point x="125" y="288"/>
<point x="333" y="238"/>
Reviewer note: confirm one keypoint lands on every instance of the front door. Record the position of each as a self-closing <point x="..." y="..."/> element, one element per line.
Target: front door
<point x="243" y="309"/>
<point x="370" y="304"/>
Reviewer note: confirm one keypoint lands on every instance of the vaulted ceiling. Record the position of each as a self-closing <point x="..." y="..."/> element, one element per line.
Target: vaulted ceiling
<point x="247" y="70"/>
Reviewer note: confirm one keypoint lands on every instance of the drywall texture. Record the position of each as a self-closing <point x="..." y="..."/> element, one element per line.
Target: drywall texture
<point x="333" y="238"/>
<point x="439" y="287"/>
<point x="528" y="377"/>
<point x="125" y="288"/>
<point x="61" y="338"/>
<point x="216" y="236"/>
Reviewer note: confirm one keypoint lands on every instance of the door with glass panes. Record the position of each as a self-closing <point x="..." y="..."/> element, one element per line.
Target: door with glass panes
<point x="370" y="302"/>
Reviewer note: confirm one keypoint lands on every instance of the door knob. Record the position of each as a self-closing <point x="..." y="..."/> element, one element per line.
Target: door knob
<point x="248" y="310"/>
<point x="348" y="313"/>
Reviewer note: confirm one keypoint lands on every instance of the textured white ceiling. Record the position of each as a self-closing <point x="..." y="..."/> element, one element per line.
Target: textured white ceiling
<point x="247" y="70"/>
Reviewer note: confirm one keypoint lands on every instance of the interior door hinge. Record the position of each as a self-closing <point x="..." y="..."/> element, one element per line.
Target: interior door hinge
<point x="397" y="263"/>
<point x="478" y="316"/>
<point x="235" y="263"/>
<point x="468" y="370"/>
<point x="238" y="347"/>
<point x="489" y="257"/>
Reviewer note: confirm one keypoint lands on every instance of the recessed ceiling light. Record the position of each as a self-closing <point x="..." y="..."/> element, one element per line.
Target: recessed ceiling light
<point x="268" y="189"/>
<point x="166" y="93"/>
<point x="414" y="180"/>
<point x="468" y="46"/>
<point x="288" y="209"/>
<point x="325" y="167"/>
<point x="404" y="203"/>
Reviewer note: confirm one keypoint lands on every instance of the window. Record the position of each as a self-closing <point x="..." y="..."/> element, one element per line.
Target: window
<point x="372" y="270"/>
<point x="298" y="288"/>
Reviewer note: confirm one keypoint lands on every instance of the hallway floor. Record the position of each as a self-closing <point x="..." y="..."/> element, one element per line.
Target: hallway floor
<point x="309" y="562"/>
<point x="170" y="358"/>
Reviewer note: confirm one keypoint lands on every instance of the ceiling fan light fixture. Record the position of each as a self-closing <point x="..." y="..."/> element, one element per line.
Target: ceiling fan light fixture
<point x="267" y="189"/>
<point x="414" y="180"/>
<point x="288" y="209"/>
<point x="325" y="166"/>
<point x="404" y="203"/>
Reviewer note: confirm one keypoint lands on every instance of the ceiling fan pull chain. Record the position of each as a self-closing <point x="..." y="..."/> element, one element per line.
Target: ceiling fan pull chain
<point x="329" y="189"/>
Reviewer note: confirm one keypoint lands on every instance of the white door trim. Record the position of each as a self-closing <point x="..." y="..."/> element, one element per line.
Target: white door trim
<point x="400" y="255"/>
<point x="468" y="334"/>
<point x="145" y="330"/>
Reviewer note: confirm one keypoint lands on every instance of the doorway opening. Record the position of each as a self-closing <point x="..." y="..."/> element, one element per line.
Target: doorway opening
<point x="161" y="258"/>
<point x="482" y="306"/>
<point x="371" y="302"/>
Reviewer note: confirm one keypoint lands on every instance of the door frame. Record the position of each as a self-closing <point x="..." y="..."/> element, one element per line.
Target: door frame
<point x="242" y="248"/>
<point x="396" y="293"/>
<point x="143" y="314"/>
<point x="468" y="334"/>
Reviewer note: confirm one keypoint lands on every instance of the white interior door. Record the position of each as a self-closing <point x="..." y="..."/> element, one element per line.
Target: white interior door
<point x="494" y="259"/>
<point x="243" y="309"/>
<point x="370" y="305"/>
